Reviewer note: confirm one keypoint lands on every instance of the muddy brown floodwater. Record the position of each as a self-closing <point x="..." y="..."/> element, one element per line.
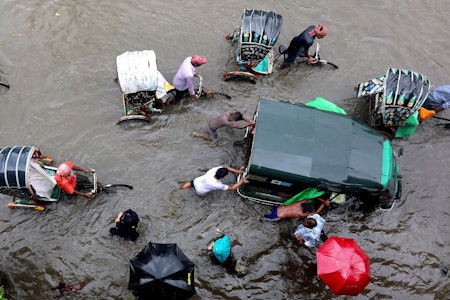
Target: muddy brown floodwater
<point x="59" y="58"/>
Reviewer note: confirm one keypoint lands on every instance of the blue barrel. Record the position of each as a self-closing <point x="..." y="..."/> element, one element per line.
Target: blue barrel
<point x="14" y="164"/>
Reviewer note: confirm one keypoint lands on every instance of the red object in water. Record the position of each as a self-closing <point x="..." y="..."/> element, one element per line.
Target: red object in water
<point x="343" y="266"/>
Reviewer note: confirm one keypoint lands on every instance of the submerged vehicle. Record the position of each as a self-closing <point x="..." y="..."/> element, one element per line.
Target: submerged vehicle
<point x="144" y="88"/>
<point x="28" y="176"/>
<point x="295" y="147"/>
<point x="394" y="100"/>
<point x="256" y="35"/>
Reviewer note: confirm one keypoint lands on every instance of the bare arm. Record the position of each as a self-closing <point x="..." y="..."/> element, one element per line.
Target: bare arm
<point x="233" y="170"/>
<point x="325" y="202"/>
<point x="237" y="184"/>
<point x="87" y="195"/>
<point x="251" y="123"/>
<point x="439" y="109"/>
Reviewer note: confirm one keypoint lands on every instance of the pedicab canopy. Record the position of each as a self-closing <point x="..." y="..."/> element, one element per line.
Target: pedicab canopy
<point x="259" y="31"/>
<point x="294" y="143"/>
<point x="137" y="71"/>
<point x="397" y="96"/>
<point x="14" y="166"/>
<point x="19" y="171"/>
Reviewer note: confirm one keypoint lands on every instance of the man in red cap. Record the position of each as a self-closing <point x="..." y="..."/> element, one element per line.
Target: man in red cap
<point x="67" y="180"/>
<point x="183" y="79"/>
<point x="300" y="45"/>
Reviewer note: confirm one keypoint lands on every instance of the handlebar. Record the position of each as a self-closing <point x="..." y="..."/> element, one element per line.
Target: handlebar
<point x="200" y="86"/>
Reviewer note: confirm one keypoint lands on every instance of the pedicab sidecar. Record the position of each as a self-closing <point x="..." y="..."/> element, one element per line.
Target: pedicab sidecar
<point x="394" y="100"/>
<point x="256" y="36"/>
<point x="25" y="177"/>
<point x="28" y="176"/>
<point x="144" y="88"/>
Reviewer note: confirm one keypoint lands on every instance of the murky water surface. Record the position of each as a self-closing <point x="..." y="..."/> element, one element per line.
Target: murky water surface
<point x="59" y="57"/>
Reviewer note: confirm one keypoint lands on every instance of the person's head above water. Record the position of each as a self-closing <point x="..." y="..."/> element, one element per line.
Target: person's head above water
<point x="221" y="173"/>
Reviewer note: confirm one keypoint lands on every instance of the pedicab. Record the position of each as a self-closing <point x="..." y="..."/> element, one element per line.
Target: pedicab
<point x="256" y="35"/>
<point x="144" y="88"/>
<point x="394" y="100"/>
<point x="28" y="177"/>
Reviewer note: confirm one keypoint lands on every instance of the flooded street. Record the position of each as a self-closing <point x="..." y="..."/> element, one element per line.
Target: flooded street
<point x="59" y="58"/>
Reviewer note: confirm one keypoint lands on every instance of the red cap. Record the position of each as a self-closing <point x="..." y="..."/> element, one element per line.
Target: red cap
<point x="197" y="60"/>
<point x="321" y="30"/>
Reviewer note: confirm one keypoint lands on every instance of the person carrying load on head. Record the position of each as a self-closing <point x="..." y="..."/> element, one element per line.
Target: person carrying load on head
<point x="66" y="179"/>
<point x="438" y="100"/>
<point x="183" y="80"/>
<point x="300" y="44"/>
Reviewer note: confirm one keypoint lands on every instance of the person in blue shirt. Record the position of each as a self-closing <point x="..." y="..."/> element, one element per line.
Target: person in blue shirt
<point x="300" y="44"/>
<point x="221" y="254"/>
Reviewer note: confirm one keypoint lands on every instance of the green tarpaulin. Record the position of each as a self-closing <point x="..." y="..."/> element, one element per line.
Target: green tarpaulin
<point x="324" y="104"/>
<point x="309" y="193"/>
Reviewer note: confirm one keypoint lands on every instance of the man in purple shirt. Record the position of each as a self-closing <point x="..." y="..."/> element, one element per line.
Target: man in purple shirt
<point x="183" y="79"/>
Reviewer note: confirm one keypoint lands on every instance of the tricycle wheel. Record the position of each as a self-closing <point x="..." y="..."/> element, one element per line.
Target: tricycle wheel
<point x="134" y="117"/>
<point x="240" y="75"/>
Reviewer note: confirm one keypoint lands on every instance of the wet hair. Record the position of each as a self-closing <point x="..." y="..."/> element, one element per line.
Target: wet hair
<point x="237" y="116"/>
<point x="310" y="223"/>
<point x="221" y="173"/>
<point x="308" y="207"/>
<point x="129" y="218"/>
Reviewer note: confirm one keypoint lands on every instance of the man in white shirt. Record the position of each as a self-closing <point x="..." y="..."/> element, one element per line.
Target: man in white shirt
<point x="310" y="231"/>
<point x="210" y="181"/>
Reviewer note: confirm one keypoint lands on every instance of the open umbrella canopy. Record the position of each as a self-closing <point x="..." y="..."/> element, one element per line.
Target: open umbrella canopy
<point x="343" y="266"/>
<point x="161" y="271"/>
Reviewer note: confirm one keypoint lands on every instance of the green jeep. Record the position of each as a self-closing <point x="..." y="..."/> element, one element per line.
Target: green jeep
<point x="294" y="147"/>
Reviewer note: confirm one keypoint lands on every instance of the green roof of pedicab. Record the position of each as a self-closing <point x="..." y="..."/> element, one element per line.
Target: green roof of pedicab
<point x="296" y="143"/>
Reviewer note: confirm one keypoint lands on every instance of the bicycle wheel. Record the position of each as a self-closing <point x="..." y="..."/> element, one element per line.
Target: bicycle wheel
<point x="211" y="94"/>
<point x="3" y="87"/>
<point x="111" y="188"/>
<point x="134" y="117"/>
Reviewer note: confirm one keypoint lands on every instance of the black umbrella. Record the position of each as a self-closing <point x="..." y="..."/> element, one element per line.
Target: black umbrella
<point x="161" y="271"/>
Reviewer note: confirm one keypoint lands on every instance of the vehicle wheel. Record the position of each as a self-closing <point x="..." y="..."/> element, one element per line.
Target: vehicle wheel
<point x="240" y="75"/>
<point x="134" y="117"/>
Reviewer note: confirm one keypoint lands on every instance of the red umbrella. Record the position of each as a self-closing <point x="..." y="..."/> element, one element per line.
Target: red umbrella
<point x="343" y="266"/>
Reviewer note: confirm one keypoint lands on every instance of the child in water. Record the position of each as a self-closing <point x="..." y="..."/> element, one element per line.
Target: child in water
<point x="126" y="223"/>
